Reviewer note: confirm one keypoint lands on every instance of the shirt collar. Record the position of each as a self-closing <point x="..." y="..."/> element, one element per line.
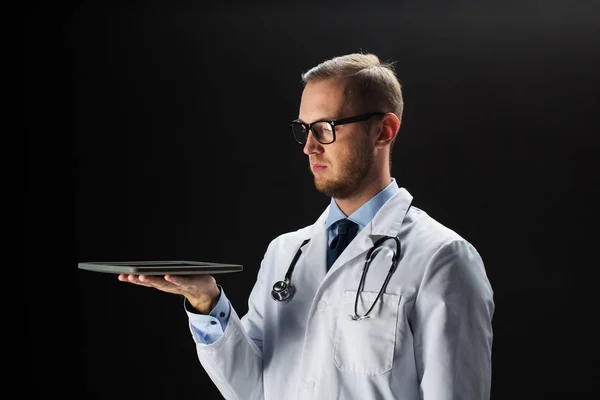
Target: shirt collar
<point x="366" y="212"/>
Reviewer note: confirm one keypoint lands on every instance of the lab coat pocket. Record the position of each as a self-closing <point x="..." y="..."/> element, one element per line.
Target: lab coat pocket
<point x="366" y="346"/>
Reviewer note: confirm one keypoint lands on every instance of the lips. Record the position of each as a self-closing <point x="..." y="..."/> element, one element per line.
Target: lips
<point x="318" y="167"/>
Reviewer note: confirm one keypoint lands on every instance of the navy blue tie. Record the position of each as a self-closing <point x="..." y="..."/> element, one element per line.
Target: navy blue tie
<point x="346" y="232"/>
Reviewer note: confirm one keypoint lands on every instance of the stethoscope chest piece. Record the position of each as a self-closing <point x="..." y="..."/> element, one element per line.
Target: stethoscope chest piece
<point x="282" y="290"/>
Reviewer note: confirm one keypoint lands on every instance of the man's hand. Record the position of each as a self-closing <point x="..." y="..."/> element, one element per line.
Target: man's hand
<point x="200" y="290"/>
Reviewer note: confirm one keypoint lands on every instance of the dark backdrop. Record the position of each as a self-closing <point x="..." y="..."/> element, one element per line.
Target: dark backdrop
<point x="158" y="130"/>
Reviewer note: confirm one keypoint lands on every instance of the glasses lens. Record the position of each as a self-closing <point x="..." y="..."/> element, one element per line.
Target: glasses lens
<point x="323" y="131"/>
<point x="299" y="131"/>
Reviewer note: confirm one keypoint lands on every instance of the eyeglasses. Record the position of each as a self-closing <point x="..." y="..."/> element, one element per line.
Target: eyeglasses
<point x="324" y="130"/>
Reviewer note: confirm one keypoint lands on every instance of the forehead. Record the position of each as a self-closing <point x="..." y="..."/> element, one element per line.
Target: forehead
<point x="322" y="99"/>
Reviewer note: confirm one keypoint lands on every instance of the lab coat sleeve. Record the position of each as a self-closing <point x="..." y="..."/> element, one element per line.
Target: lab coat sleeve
<point x="452" y="325"/>
<point x="234" y="361"/>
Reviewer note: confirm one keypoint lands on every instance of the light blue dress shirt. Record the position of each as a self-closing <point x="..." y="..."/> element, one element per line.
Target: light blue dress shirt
<point x="210" y="327"/>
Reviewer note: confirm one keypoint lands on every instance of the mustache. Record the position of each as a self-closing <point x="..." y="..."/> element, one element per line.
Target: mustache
<point x="313" y="161"/>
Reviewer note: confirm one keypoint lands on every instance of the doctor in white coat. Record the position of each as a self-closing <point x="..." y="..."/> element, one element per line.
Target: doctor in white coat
<point x="404" y="312"/>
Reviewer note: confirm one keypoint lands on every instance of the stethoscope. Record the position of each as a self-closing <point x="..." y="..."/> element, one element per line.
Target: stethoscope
<point x="284" y="290"/>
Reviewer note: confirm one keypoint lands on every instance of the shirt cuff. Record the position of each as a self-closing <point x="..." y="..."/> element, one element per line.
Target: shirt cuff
<point x="208" y="328"/>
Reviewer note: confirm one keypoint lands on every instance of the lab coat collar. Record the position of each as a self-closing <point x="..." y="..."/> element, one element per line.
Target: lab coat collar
<point x="387" y="222"/>
<point x="365" y="213"/>
<point x="391" y="215"/>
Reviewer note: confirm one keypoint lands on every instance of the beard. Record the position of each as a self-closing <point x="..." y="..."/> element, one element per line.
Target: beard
<point x="353" y="170"/>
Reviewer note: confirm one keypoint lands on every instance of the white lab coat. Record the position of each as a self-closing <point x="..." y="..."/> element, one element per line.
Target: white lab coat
<point x="431" y="337"/>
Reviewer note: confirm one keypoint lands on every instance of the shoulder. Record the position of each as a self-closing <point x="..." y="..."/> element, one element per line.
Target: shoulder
<point x="290" y="240"/>
<point x="429" y="241"/>
<point x="443" y="256"/>
<point x="293" y="239"/>
<point x="429" y="232"/>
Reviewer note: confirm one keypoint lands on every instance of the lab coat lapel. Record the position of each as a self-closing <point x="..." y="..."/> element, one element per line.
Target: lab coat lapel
<point x="315" y="255"/>
<point x="387" y="222"/>
<point x="310" y="272"/>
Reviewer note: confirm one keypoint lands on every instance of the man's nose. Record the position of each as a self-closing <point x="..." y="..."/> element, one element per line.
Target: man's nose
<point x="312" y="145"/>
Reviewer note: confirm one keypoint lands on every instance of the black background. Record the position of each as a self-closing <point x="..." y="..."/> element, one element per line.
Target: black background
<point x="158" y="130"/>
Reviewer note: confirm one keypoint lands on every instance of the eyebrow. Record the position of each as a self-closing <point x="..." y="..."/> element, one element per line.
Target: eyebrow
<point x="317" y="120"/>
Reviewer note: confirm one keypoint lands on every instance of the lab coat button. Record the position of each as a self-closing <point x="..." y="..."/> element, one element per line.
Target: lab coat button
<point x="322" y="305"/>
<point x="310" y="384"/>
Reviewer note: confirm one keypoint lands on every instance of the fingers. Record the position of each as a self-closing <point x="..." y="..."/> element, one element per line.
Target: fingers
<point x="143" y="280"/>
<point x="137" y="280"/>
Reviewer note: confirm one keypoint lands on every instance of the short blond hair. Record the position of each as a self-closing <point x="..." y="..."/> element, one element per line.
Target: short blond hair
<point x="372" y="85"/>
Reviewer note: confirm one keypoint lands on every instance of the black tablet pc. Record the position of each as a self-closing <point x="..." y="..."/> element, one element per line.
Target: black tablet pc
<point x="160" y="267"/>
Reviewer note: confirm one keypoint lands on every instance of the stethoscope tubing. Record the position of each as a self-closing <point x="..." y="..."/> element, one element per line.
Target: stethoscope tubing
<point x="284" y="290"/>
<point x="370" y="257"/>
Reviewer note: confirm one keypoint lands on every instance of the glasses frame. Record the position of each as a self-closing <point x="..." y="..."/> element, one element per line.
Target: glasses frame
<point x="333" y="123"/>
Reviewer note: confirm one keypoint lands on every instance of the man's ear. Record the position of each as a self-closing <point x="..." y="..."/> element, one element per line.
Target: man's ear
<point x="389" y="126"/>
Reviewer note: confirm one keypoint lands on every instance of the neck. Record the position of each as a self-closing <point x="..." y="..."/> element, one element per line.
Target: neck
<point x="368" y="189"/>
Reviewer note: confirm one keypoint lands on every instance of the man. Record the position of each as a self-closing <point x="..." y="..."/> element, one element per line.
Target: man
<point x="416" y="325"/>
